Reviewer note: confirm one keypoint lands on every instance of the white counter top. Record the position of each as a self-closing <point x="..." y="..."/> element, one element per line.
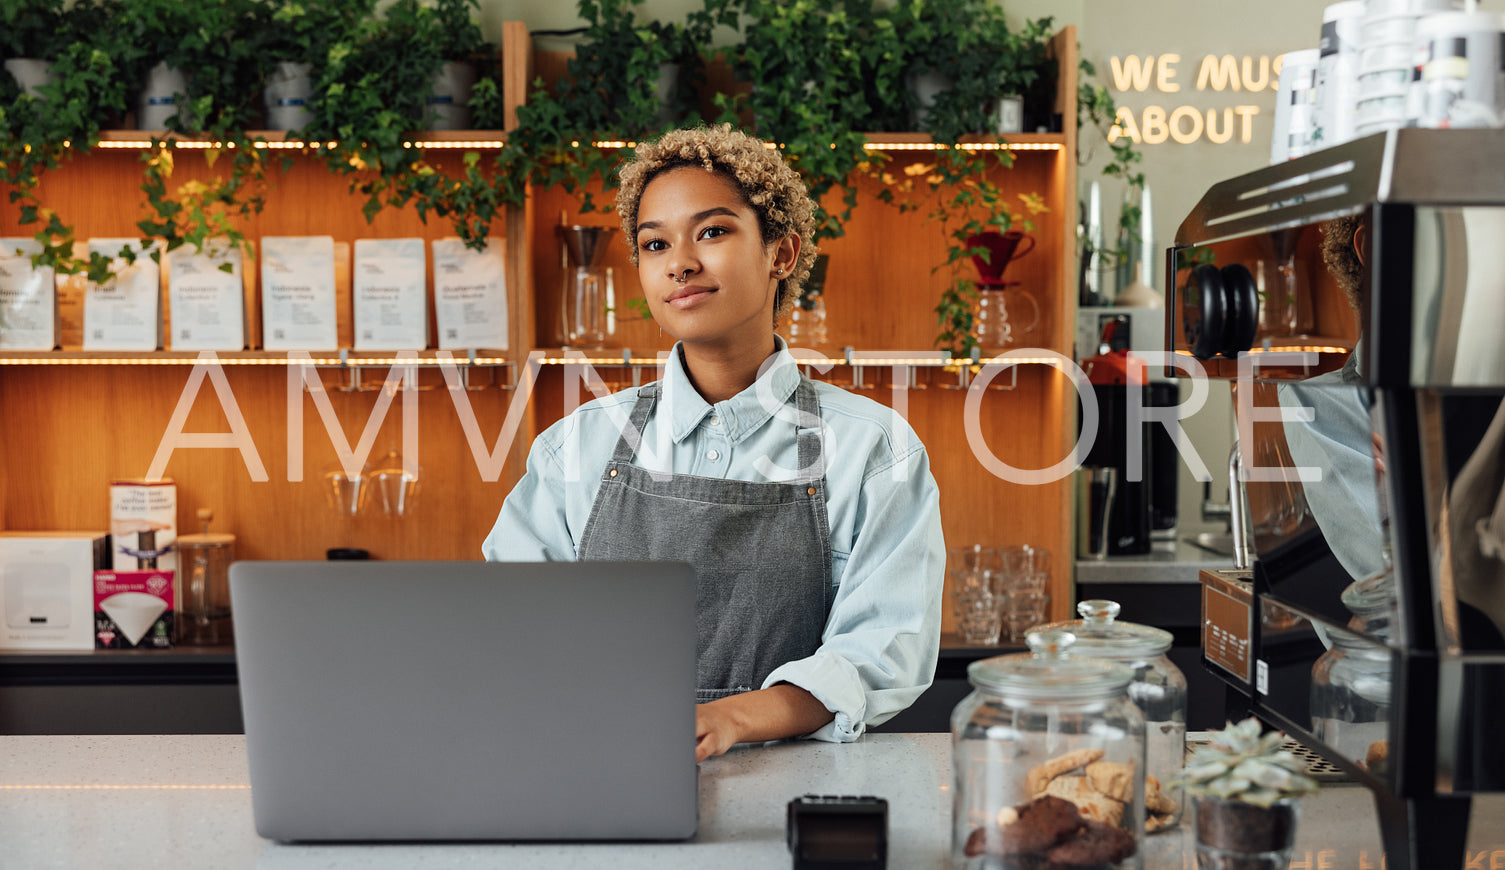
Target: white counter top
<point x="185" y="801"/>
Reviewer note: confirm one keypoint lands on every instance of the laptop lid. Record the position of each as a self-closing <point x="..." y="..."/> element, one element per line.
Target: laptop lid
<point x="468" y="700"/>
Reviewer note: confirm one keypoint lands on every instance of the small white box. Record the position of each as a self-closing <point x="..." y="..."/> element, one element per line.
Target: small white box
<point x="47" y="588"/>
<point x="144" y="525"/>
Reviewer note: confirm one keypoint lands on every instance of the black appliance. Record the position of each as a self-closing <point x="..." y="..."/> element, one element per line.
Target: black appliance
<point x="1372" y="624"/>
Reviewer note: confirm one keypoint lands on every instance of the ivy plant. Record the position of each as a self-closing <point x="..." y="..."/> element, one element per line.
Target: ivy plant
<point x="1097" y="110"/>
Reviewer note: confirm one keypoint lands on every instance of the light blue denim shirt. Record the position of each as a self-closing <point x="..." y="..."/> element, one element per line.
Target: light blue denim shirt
<point x="880" y="644"/>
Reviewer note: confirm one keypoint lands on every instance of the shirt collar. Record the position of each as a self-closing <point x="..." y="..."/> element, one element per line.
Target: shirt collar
<point x="738" y="416"/>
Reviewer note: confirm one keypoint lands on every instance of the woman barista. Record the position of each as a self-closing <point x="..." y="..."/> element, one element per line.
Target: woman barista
<point x="810" y="514"/>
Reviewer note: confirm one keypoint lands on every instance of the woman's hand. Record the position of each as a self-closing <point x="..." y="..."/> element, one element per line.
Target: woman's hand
<point x="774" y="713"/>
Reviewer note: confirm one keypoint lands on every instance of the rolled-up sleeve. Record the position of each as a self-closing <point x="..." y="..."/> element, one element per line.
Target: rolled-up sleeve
<point x="532" y="525"/>
<point x="882" y="639"/>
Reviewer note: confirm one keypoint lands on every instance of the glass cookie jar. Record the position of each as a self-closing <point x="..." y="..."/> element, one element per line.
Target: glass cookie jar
<point x="1048" y="752"/>
<point x="1159" y="690"/>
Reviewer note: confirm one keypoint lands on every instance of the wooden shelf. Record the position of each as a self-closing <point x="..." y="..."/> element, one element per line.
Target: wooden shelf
<point x="923" y="142"/>
<point x="347" y="358"/>
<point x="279" y="139"/>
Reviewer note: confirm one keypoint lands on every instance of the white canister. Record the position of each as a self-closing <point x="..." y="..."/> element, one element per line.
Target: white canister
<point x="1460" y="71"/>
<point x="164" y="86"/>
<point x="289" y="89"/>
<point x="31" y="74"/>
<point x="1295" y="105"/>
<point x="1338" y="73"/>
<point x="448" y="103"/>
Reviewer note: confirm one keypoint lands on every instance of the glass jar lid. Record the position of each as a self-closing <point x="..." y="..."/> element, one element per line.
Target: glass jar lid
<point x="1101" y="635"/>
<point x="1048" y="670"/>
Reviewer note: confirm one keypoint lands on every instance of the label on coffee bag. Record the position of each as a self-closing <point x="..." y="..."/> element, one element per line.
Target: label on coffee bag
<point x="470" y="295"/>
<point x="298" y="293"/>
<point x="28" y="300"/>
<point x="391" y="296"/>
<point x="206" y="297"/>
<point x="124" y="312"/>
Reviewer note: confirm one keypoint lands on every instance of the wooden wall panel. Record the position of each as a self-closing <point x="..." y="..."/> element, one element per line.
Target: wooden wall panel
<point x="88" y="425"/>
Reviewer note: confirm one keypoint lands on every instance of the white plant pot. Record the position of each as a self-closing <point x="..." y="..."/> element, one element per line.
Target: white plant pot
<point x="289" y="89"/>
<point x="448" y="104"/>
<point x="666" y="89"/>
<point x="926" y="85"/>
<point x="165" y="87"/>
<point x="1010" y="114"/>
<point x="31" y="74"/>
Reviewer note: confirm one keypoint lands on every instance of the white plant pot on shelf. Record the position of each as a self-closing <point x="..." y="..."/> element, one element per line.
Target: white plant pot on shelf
<point x="448" y="104"/>
<point x="289" y="89"/>
<point x="666" y="89"/>
<point x="1010" y="114"/>
<point x="926" y="85"/>
<point x="165" y="86"/>
<point x="30" y="73"/>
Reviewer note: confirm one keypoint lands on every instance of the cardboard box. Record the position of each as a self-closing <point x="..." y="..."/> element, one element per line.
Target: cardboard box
<point x="133" y="609"/>
<point x="47" y="588"/>
<point x="144" y="525"/>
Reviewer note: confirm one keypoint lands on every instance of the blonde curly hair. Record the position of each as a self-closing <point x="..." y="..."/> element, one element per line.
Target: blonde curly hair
<point x="770" y="188"/>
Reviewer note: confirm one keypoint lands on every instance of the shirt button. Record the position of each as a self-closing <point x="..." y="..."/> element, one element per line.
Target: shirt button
<point x="713" y="456"/>
<point x="715" y="420"/>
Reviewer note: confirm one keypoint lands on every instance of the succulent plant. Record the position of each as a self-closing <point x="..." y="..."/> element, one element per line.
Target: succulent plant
<point x="1241" y="764"/>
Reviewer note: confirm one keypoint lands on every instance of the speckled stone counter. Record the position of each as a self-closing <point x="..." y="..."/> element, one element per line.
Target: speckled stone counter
<point x="184" y="801"/>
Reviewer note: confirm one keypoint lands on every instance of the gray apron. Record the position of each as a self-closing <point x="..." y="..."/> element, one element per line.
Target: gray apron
<point x="761" y="551"/>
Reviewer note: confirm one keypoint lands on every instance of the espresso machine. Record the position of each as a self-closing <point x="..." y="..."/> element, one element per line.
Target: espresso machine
<point x="1367" y="619"/>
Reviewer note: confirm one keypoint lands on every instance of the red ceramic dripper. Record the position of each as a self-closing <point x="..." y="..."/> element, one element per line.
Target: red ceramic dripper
<point x="1002" y="249"/>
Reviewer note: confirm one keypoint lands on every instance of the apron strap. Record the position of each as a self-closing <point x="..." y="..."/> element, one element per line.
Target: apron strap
<point x="812" y="459"/>
<point x="632" y="435"/>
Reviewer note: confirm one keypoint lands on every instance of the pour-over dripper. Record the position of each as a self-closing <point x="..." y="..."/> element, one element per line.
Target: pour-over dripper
<point x="1002" y="248"/>
<point x="585" y="246"/>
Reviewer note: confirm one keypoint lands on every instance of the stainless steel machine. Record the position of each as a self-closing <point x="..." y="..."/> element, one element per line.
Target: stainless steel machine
<point x="1355" y="297"/>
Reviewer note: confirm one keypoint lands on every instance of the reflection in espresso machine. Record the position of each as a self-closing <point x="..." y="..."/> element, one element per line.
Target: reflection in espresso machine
<point x="1374" y="458"/>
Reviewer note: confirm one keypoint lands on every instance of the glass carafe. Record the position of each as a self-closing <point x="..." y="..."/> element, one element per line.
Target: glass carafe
<point x="1004" y="316"/>
<point x="588" y="308"/>
<point x="204" y="589"/>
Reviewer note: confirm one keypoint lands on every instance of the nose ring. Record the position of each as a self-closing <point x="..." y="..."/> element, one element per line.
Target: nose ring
<point x="681" y="278"/>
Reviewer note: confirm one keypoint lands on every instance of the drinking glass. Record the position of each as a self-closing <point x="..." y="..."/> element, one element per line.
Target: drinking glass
<point x="1025" y="611"/>
<point x="973" y="557"/>
<point x="980" y="603"/>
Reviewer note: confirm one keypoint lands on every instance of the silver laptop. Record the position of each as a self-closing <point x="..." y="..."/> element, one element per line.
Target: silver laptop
<point x="468" y="700"/>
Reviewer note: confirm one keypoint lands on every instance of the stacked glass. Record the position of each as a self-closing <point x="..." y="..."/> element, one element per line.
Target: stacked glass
<point x="1026" y="580"/>
<point x="978" y="597"/>
<point x="998" y="593"/>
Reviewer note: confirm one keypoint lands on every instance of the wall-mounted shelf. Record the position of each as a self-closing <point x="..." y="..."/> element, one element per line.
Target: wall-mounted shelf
<point x="341" y="358"/>
<point x="140" y="140"/>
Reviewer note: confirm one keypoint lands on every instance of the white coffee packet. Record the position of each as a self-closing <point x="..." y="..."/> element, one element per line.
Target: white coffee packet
<point x="298" y="293"/>
<point x="470" y="295"/>
<point x="124" y="313"/>
<point x="391" y="298"/>
<point x="206" y="297"/>
<point x="28" y="299"/>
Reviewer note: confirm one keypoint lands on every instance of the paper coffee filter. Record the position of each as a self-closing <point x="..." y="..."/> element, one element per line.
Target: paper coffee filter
<point x="133" y="612"/>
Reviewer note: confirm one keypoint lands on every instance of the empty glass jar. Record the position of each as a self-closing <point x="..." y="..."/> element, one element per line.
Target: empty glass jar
<point x="204" y="590"/>
<point x="1158" y="689"/>
<point x="1049" y="762"/>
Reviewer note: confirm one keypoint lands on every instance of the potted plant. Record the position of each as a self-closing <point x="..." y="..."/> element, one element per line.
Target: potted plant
<point x="86" y="90"/>
<point x="448" y="102"/>
<point x="31" y="37"/>
<point x="1247" y="793"/>
<point x="294" y="38"/>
